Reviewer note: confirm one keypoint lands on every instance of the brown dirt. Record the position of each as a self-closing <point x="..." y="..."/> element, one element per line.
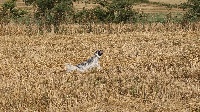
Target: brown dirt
<point x="169" y="1"/>
<point x="151" y="8"/>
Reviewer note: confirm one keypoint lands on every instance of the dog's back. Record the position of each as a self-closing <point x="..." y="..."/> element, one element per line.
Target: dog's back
<point x="90" y="63"/>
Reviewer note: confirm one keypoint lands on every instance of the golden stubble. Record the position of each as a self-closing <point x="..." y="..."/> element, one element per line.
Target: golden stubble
<point x="141" y="71"/>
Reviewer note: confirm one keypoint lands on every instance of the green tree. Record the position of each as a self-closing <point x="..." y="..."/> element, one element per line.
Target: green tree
<point x="116" y="11"/>
<point x="9" y="11"/>
<point x="51" y="12"/>
<point x="193" y="13"/>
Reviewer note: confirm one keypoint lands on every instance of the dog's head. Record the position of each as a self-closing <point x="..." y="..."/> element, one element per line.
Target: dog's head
<point x="98" y="53"/>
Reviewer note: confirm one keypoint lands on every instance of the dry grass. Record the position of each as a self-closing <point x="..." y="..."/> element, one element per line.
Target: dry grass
<point x="169" y="1"/>
<point x="97" y="29"/>
<point x="155" y="8"/>
<point x="149" y="70"/>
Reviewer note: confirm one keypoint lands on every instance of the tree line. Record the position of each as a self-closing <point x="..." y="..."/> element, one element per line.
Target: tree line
<point x="56" y="12"/>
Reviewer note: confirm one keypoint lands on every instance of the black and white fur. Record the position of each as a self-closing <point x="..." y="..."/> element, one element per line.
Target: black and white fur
<point x="90" y="63"/>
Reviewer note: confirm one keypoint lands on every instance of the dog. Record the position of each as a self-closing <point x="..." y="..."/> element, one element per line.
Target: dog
<point x="92" y="62"/>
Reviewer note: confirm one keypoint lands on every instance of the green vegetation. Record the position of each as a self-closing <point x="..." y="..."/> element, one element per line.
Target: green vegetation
<point x="160" y="18"/>
<point x="115" y="12"/>
<point x="10" y="12"/>
<point x="193" y="13"/>
<point x="50" y="13"/>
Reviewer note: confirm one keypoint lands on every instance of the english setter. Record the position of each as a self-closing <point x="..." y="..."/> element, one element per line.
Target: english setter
<point x="90" y="63"/>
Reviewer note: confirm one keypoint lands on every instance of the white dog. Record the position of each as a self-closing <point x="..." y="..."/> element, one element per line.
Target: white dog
<point x="90" y="63"/>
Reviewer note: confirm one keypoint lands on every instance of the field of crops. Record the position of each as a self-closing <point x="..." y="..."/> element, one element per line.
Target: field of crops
<point x="143" y="68"/>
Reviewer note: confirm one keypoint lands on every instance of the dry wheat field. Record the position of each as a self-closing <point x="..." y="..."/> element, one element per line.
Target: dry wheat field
<point x="141" y="70"/>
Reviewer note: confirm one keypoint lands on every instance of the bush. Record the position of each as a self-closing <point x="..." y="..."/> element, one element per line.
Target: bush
<point x="9" y="11"/>
<point x="193" y="13"/>
<point x="51" y="12"/>
<point x="116" y="11"/>
<point x="100" y="14"/>
<point x="84" y="16"/>
<point x="121" y="11"/>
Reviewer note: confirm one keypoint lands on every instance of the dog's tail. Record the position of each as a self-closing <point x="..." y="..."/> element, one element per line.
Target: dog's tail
<point x="70" y="67"/>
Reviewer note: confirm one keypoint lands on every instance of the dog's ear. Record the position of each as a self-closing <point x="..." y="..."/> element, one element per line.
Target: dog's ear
<point x="96" y="52"/>
<point x="100" y="52"/>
